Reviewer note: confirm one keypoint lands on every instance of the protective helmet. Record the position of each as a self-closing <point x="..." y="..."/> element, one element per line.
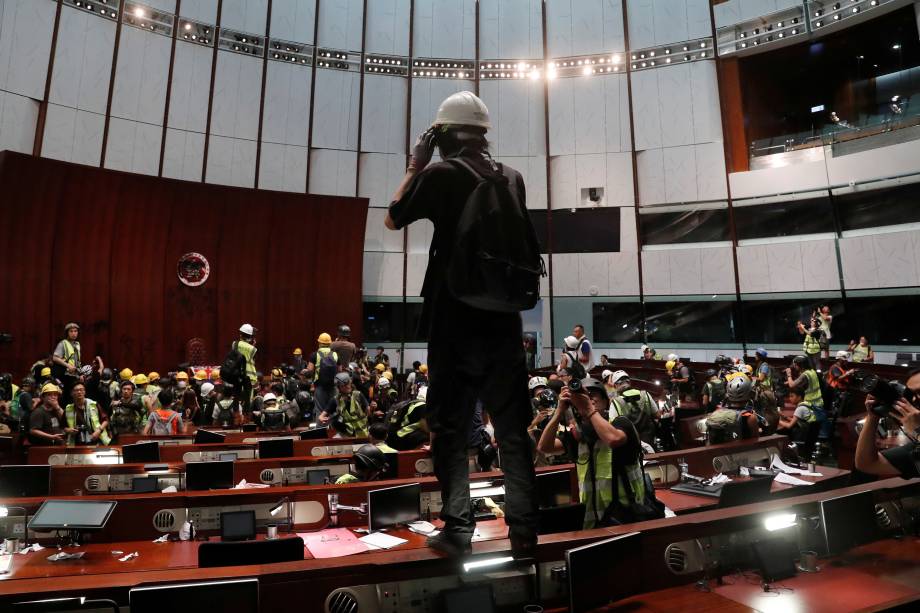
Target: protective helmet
<point x="619" y="376"/>
<point x="27" y="381"/>
<point x="324" y="339"/>
<point x="201" y="375"/>
<point x="644" y="348"/>
<point x="739" y="388"/>
<point x="140" y="379"/>
<point x="269" y="397"/>
<point x="153" y="376"/>
<point x="382" y="382"/>
<point x="206" y="388"/>
<point x="843" y="355"/>
<point x="463" y="109"/>
<point x="547" y="399"/>
<point x="388" y="375"/>
<point x="344" y="331"/>
<point x="710" y="373"/>
<point x="353" y="367"/>
<point x="368" y="457"/>
<point x="669" y="365"/>
<point x="342" y="378"/>
<point x="46" y="371"/>
<point x="380" y="367"/>
<point x="107" y="374"/>
<point x="422" y="393"/>
<point x="247" y="329"/>
<point x="423" y="369"/>
<point x="215" y="374"/>
<point x="298" y="351"/>
<point x="761" y="352"/>
<point x="570" y="342"/>
<point x="304" y="400"/>
<point x="50" y="388"/>
<point x="801" y="361"/>
<point x="126" y="374"/>
<point x="746" y="369"/>
<point x="71" y="325"/>
<point x="673" y="357"/>
<point x="606" y="375"/>
<point x="276" y="373"/>
<point x="182" y="376"/>
<point x="86" y="370"/>
<point x="591" y="384"/>
<point x="631" y="395"/>
<point x="536" y="382"/>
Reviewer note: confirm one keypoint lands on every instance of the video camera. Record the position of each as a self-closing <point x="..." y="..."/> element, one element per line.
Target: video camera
<point x="886" y="393"/>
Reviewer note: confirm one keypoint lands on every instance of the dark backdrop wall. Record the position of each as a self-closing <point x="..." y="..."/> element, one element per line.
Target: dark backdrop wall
<point x="101" y="248"/>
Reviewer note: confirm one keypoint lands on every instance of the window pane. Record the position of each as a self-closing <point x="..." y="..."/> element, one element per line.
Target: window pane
<point x="774" y="321"/>
<point x="883" y="320"/>
<point x="810" y="216"/>
<point x="700" y="226"/>
<point x="690" y="322"/>
<point x="383" y="322"/>
<point x="580" y="230"/>
<point x="617" y="322"/>
<point x="879" y="207"/>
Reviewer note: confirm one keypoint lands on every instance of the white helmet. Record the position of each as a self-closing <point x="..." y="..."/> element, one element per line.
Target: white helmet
<point x="674" y="357"/>
<point x="570" y="342"/>
<point x="247" y="329"/>
<point x="645" y="348"/>
<point x="383" y="382"/>
<point x="269" y="397"/>
<point x="422" y="393"/>
<point x="619" y="376"/>
<point x="463" y="109"/>
<point x="843" y="355"/>
<point x="207" y="388"/>
<point x="606" y="374"/>
<point x="536" y="382"/>
<point x="739" y="388"/>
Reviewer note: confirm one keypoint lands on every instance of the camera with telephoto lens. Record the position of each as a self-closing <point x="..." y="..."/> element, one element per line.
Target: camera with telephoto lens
<point x="575" y="386"/>
<point x="886" y="393"/>
<point x="546" y="399"/>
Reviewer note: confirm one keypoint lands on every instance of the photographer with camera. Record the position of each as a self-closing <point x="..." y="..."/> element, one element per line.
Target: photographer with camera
<point x="85" y="424"/>
<point x="807" y="380"/>
<point x="611" y="481"/>
<point x="814" y="338"/>
<point x="898" y="402"/>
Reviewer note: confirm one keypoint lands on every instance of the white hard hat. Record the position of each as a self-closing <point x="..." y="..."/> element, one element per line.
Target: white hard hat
<point x="739" y="389"/>
<point x="571" y="342"/>
<point x="843" y="355"/>
<point x="673" y="356"/>
<point x="422" y="393"/>
<point x="645" y="348"/>
<point x="383" y="382"/>
<point x="463" y="109"/>
<point x="207" y="388"/>
<point x="247" y="329"/>
<point x="269" y="396"/>
<point x="606" y="374"/>
<point x="619" y="376"/>
<point x="536" y="382"/>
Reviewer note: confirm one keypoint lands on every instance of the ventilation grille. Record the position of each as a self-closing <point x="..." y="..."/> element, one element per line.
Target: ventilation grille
<point x="164" y="521"/>
<point x="718" y="465"/>
<point x="342" y="601"/>
<point x="882" y="517"/>
<point x="93" y="483"/>
<point x="267" y="476"/>
<point x="424" y="466"/>
<point x="676" y="559"/>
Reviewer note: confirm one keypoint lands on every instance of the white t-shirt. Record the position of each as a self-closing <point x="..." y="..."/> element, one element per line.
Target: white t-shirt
<point x="803" y="413"/>
<point x="585" y="353"/>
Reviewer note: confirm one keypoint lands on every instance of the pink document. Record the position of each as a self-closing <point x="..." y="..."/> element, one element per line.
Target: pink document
<point x="332" y="543"/>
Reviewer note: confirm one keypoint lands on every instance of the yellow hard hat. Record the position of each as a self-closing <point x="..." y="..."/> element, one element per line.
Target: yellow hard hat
<point x="46" y="371"/>
<point x="276" y="372"/>
<point x="153" y="376"/>
<point x="201" y="375"/>
<point x="126" y="374"/>
<point x="380" y="367"/>
<point x="324" y="339"/>
<point x="140" y="379"/>
<point x="388" y="375"/>
<point x="423" y="368"/>
<point x="215" y="373"/>
<point x="50" y="388"/>
<point x="182" y="376"/>
<point x="669" y="365"/>
<point x="298" y="351"/>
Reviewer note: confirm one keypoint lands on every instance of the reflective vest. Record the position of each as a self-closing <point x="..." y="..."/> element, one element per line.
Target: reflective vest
<point x="72" y="353"/>
<point x="813" y="391"/>
<point x="860" y="353"/>
<point x="810" y="346"/>
<point x="249" y="352"/>
<point x="346" y="478"/>
<point x="91" y="414"/>
<point x="407" y="426"/>
<point x="603" y="480"/>
<point x="812" y="418"/>
<point x="353" y="416"/>
<point x="767" y="373"/>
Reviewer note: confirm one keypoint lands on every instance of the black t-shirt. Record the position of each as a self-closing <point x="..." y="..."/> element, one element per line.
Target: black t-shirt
<point x="904" y="460"/>
<point x="49" y="423"/>
<point x="438" y="194"/>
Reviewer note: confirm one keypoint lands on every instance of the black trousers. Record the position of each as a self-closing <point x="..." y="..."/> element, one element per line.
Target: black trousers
<point x="478" y="355"/>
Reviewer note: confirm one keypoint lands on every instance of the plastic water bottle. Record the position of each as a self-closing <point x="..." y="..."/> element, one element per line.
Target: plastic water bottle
<point x="683" y="467"/>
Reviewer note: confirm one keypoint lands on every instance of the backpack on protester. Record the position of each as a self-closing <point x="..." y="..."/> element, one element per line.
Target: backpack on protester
<point x="166" y="423"/>
<point x="487" y="270"/>
<point x="575" y="368"/>
<point x="274" y="420"/>
<point x="234" y="366"/>
<point x="395" y="414"/>
<point x="327" y="367"/>
<point x="226" y="413"/>
<point x="716" y="394"/>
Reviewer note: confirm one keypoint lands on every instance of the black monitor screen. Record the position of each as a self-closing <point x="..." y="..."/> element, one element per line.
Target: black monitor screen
<point x="21" y="481"/>
<point x="144" y="485"/>
<point x="391" y="506"/>
<point x="554" y="488"/>
<point x="603" y="572"/>
<point x="314" y="434"/>
<point x="207" y="436"/>
<point x="848" y="521"/>
<point x="276" y="448"/>
<point x="140" y="453"/>
<point x="208" y="475"/>
<point x="238" y="525"/>
<point x="318" y="477"/>
<point x="468" y="599"/>
<point x="237" y="596"/>
<point x="72" y="515"/>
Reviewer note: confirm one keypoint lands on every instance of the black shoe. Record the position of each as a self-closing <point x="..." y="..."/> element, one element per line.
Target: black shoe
<point x="523" y="546"/>
<point x="453" y="546"/>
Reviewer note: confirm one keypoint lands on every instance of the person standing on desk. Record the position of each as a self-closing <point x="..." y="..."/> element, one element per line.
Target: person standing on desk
<point x="474" y="353"/>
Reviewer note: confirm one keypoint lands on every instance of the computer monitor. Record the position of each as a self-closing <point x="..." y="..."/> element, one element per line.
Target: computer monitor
<point x="140" y="453"/>
<point x="319" y="476"/>
<point x="390" y="506"/>
<point x="847" y="521"/>
<point x="554" y="488"/>
<point x="144" y="485"/>
<point x="23" y="481"/>
<point x="603" y="572"/>
<point x="72" y="515"/>
<point x="775" y="558"/>
<point x="466" y="599"/>
<point x="232" y="596"/>
<point x="208" y="475"/>
<point x="314" y="434"/>
<point x="209" y="436"/>
<point x="561" y="518"/>
<point x="276" y="448"/>
<point x="249" y="427"/>
<point x="749" y="491"/>
<point x="228" y="456"/>
<point x="238" y="526"/>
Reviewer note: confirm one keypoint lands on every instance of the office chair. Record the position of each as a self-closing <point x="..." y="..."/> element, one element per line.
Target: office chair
<point x="242" y="553"/>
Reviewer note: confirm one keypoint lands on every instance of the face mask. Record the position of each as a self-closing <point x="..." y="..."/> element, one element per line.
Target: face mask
<point x="181" y="385"/>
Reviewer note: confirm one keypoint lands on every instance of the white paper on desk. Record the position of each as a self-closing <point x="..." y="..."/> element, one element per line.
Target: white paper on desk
<point x="422" y="527"/>
<point x="245" y="485"/>
<point x="790" y="480"/>
<point x="171" y="489"/>
<point x="381" y="540"/>
<point x="777" y="463"/>
<point x="720" y="478"/>
<point x="31" y="548"/>
<point x="162" y="539"/>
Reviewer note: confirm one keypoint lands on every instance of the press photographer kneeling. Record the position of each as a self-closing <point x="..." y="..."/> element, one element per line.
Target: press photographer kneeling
<point x="899" y="403"/>
<point x="609" y="456"/>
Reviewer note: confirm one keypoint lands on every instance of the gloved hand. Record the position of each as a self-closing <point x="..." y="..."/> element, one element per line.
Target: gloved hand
<point x="423" y="149"/>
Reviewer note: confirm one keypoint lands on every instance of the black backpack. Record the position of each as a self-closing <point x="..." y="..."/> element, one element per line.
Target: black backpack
<point x="327" y="367"/>
<point x="575" y="368"/>
<point x="231" y="371"/>
<point x="395" y="415"/>
<point x="495" y="264"/>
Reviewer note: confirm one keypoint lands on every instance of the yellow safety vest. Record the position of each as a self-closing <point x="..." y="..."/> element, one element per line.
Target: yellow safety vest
<point x="860" y="353"/>
<point x="813" y="391"/>
<point x="249" y="352"/>
<point x="71" y="353"/>
<point x="810" y="346"/>
<point x="92" y="418"/>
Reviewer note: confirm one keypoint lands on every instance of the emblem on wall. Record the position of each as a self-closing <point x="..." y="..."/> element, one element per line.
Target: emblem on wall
<point x="193" y="269"/>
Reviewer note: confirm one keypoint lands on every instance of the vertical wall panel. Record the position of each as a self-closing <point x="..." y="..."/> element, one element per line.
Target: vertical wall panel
<point x="231" y="161"/>
<point x="333" y="172"/>
<point x="380" y="176"/>
<point x="287" y="104"/>
<point x="388" y="27"/>
<point x="18" y="116"/>
<point x="340" y="24"/>
<point x="335" y="111"/>
<point x="445" y="28"/>
<point x="133" y="146"/>
<point x="204" y="11"/>
<point x="237" y="87"/>
<point x="511" y="29"/>
<point x="516" y="110"/>
<point x="25" y="43"/>
<point x="293" y="20"/>
<point x="283" y="168"/>
<point x="140" y="76"/>
<point x="191" y="81"/>
<point x="83" y="61"/>
<point x="580" y="27"/>
<point x="184" y="155"/>
<point x="244" y="15"/>
<point x="72" y="135"/>
<point x="384" y="115"/>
